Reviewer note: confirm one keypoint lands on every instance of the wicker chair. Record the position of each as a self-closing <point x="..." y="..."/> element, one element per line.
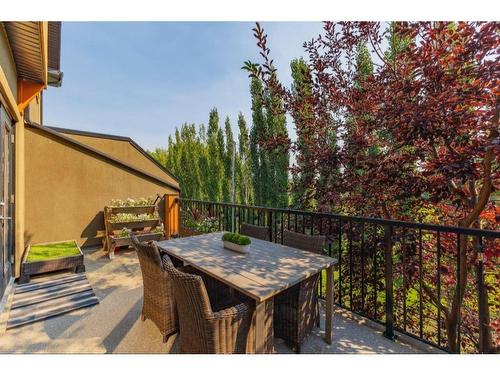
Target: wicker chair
<point x="296" y="310"/>
<point x="256" y="231"/>
<point x="158" y="302"/>
<point x="203" y="331"/>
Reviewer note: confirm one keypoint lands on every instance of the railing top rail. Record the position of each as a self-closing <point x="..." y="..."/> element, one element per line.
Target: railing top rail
<point x="373" y="220"/>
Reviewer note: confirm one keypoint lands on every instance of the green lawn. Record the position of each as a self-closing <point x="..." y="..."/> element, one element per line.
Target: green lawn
<point x="52" y="251"/>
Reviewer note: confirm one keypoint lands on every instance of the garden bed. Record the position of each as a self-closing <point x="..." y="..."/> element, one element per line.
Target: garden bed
<point x="49" y="257"/>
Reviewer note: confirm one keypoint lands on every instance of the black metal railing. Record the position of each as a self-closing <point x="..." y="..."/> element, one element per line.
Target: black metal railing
<point x="401" y="274"/>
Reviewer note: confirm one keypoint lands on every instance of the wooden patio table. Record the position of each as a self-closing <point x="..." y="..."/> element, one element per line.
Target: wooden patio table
<point x="267" y="269"/>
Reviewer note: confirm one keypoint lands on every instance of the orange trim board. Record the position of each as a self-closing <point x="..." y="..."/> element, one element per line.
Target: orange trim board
<point x="26" y="91"/>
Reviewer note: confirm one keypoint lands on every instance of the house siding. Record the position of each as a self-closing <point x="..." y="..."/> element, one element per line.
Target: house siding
<point x="68" y="188"/>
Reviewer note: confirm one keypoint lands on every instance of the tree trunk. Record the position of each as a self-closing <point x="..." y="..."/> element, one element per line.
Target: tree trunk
<point x="453" y="318"/>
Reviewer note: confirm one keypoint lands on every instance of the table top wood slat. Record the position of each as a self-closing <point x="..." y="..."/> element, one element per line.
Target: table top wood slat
<point x="267" y="269"/>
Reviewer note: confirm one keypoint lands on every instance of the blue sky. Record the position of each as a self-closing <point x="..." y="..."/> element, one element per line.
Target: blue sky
<point x="144" y="79"/>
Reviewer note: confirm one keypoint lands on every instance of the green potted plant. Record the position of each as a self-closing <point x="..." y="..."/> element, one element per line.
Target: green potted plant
<point x="236" y="242"/>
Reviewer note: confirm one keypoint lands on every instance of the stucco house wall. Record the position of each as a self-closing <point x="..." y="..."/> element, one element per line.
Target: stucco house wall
<point x="122" y="148"/>
<point x="68" y="187"/>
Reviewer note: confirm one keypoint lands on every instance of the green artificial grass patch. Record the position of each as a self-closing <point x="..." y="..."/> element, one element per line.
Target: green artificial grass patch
<point x="52" y="251"/>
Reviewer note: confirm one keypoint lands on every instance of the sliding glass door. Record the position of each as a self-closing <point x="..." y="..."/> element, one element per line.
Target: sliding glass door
<point x="6" y="198"/>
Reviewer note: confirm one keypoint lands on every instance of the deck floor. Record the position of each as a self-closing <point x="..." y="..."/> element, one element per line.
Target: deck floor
<point x="114" y="325"/>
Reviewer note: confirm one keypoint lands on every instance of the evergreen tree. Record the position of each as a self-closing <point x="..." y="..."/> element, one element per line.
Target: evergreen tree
<point x="215" y="157"/>
<point x="228" y="158"/>
<point x="189" y="161"/>
<point x="258" y="155"/>
<point x="278" y="158"/>
<point x="244" y="166"/>
<point x="203" y="162"/>
<point x="304" y="182"/>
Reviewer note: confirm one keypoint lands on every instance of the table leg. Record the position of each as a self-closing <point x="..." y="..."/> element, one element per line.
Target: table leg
<point x="261" y="338"/>
<point x="329" y="305"/>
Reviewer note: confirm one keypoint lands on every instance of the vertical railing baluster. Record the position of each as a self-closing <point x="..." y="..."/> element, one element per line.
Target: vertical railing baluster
<point x="482" y="299"/>
<point x="270" y="225"/>
<point x="330" y="235"/>
<point x="389" y="290"/>
<point x="321" y="273"/>
<point x="349" y="249"/>
<point x="282" y="224"/>
<point x="363" y="267"/>
<point x="420" y="284"/>
<point x="458" y="292"/>
<point x="403" y="249"/>
<point x="340" y="262"/>
<point x="275" y="214"/>
<point x="438" y="283"/>
<point x="219" y="215"/>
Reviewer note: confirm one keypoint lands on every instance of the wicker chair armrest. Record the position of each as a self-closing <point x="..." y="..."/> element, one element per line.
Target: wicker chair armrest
<point x="234" y="312"/>
<point x="229" y="328"/>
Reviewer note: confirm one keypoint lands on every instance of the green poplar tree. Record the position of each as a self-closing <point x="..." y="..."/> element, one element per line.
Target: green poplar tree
<point x="278" y="158"/>
<point x="228" y="158"/>
<point x="303" y="187"/>
<point x="244" y="166"/>
<point x="259" y="160"/>
<point x="215" y="159"/>
<point x="203" y="162"/>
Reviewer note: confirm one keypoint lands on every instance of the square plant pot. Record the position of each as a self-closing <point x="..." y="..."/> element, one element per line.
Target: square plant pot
<point x="242" y="249"/>
<point x="50" y="264"/>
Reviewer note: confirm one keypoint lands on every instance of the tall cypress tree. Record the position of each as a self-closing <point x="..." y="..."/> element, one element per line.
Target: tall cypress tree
<point x="244" y="166"/>
<point x="191" y="181"/>
<point x="203" y="162"/>
<point x="215" y="161"/>
<point x="259" y="160"/>
<point x="278" y="158"/>
<point x="228" y="158"/>
<point x="303" y="188"/>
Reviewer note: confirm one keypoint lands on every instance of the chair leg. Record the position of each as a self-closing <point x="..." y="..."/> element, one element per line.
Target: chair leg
<point x="165" y="338"/>
<point x="318" y="318"/>
<point x="143" y="317"/>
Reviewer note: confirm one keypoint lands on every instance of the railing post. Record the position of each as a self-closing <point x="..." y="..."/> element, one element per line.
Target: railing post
<point x="171" y="216"/>
<point x="270" y="223"/>
<point x="389" y="291"/>
<point x="484" y="334"/>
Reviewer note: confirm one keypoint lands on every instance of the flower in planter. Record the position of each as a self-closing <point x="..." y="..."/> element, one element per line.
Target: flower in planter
<point x="117" y="203"/>
<point x="130" y="202"/>
<point x="128" y="217"/>
<point x="125" y="232"/>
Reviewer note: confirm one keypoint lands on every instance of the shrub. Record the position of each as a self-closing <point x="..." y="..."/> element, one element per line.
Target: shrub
<point x="236" y="238"/>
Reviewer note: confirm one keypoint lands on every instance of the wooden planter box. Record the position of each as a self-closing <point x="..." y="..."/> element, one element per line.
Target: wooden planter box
<point x="140" y="228"/>
<point x="126" y="241"/>
<point x="50" y="265"/>
<point x="188" y="232"/>
<point x="134" y="224"/>
<point x="132" y="209"/>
